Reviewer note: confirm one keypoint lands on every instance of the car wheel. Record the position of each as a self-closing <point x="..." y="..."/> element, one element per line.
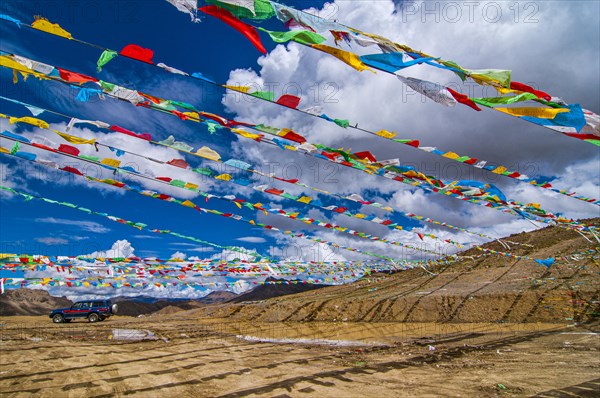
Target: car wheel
<point x="58" y="318"/>
<point x="93" y="318"/>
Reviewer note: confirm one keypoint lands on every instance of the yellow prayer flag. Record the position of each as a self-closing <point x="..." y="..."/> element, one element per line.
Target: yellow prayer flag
<point x="360" y="215"/>
<point x="305" y="199"/>
<point x="29" y="120"/>
<point x="241" y="89"/>
<point x="189" y="185"/>
<point x="224" y="177"/>
<point x="451" y="155"/>
<point x="542" y="113"/>
<point x="386" y="134"/>
<point x="73" y="139"/>
<point x="194" y="116"/>
<point x="53" y="28"/>
<point x="247" y="134"/>
<point x="499" y="170"/>
<point x="208" y="153"/>
<point x="188" y="203"/>
<point x="111" y="162"/>
<point x="349" y="58"/>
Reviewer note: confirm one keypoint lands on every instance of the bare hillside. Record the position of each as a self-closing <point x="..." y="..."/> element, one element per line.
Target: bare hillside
<point x="486" y="289"/>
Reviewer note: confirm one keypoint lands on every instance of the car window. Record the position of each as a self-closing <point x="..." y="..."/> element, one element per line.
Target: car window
<point x="77" y="305"/>
<point x="98" y="304"/>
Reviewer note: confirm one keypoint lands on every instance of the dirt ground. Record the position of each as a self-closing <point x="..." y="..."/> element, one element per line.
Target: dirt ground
<point x="225" y="358"/>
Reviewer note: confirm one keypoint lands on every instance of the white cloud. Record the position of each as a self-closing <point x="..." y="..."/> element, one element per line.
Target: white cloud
<point x="121" y="248"/>
<point x="88" y="226"/>
<point x="179" y="255"/>
<point x="145" y="237"/>
<point x="252" y="239"/>
<point x="202" y="250"/>
<point x="52" y="240"/>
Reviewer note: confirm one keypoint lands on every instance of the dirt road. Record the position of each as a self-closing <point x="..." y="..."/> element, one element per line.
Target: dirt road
<point x="216" y="358"/>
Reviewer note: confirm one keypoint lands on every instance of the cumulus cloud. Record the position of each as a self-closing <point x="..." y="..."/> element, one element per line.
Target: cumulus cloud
<point x="179" y="255"/>
<point x="533" y="52"/>
<point x="121" y="248"/>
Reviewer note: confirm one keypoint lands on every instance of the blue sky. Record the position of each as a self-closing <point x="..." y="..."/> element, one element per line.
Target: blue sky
<point x="536" y="53"/>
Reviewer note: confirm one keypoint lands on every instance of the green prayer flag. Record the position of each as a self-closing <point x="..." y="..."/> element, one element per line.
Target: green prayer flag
<point x="266" y="95"/>
<point x="212" y="126"/>
<point x="299" y="36"/>
<point x="15" y="148"/>
<point x="491" y="102"/>
<point x="342" y="123"/>
<point x="91" y="158"/>
<point x="267" y="129"/>
<point x="203" y="171"/>
<point x="262" y="9"/>
<point x="105" y="57"/>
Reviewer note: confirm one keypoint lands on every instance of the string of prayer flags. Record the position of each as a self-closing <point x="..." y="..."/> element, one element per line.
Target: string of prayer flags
<point x="210" y="154"/>
<point x="279" y="212"/>
<point x="409" y="177"/>
<point x="244" y="166"/>
<point x="443" y="96"/>
<point x="138" y="225"/>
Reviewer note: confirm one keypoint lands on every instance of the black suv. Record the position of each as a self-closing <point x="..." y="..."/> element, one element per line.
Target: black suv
<point x="93" y="311"/>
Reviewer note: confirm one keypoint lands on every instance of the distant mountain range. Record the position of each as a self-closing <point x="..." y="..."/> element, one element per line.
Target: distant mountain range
<point x="263" y="292"/>
<point x="40" y="302"/>
<point x="30" y="302"/>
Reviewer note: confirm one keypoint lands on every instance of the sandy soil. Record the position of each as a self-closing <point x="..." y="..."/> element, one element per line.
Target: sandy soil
<point x="226" y="358"/>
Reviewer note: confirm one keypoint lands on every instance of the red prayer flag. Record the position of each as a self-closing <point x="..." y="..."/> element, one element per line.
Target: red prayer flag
<point x="274" y="191"/>
<point x="74" y="77"/>
<point x="248" y="31"/>
<point x="291" y="101"/>
<point x="290" y="135"/>
<point x="136" y="52"/>
<point x="529" y="89"/>
<point x="366" y="155"/>
<point x="47" y="148"/>
<point x="68" y="149"/>
<point x="121" y="130"/>
<point x="72" y="170"/>
<point x="179" y="163"/>
<point x="463" y="99"/>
